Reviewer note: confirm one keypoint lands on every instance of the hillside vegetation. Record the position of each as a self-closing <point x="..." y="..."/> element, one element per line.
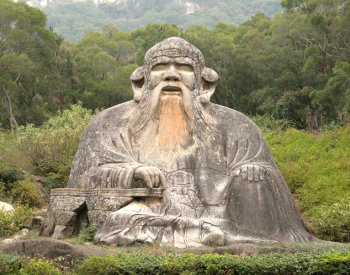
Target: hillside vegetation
<point x="317" y="170"/>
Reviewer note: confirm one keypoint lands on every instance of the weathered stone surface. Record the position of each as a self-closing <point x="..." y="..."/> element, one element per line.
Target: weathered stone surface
<point x="18" y="236"/>
<point x="103" y="202"/>
<point x="185" y="172"/>
<point x="62" y="231"/>
<point x="5" y="207"/>
<point x="67" y="200"/>
<point x="65" y="217"/>
<point x="98" y="216"/>
<point x="51" y="249"/>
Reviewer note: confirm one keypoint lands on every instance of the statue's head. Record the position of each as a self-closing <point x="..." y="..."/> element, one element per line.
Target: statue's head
<point x="172" y="89"/>
<point x="172" y="67"/>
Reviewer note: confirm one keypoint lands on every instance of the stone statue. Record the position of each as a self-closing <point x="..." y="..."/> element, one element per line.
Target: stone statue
<point x="173" y="168"/>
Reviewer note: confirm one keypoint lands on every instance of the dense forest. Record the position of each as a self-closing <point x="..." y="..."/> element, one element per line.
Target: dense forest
<point x="291" y="72"/>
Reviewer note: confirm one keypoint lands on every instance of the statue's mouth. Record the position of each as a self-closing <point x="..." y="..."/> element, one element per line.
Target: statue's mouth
<point x="171" y="90"/>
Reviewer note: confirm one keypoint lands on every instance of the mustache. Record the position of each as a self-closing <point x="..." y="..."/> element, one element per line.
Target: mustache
<point x="171" y="88"/>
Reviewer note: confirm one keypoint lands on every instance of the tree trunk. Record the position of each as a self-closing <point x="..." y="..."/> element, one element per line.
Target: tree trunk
<point x="12" y="119"/>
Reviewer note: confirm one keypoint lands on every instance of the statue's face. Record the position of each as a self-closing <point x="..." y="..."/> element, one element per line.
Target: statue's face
<point x="172" y="78"/>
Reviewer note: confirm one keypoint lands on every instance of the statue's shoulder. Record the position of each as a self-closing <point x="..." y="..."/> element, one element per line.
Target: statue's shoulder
<point x="231" y="119"/>
<point x="228" y="114"/>
<point x="116" y="115"/>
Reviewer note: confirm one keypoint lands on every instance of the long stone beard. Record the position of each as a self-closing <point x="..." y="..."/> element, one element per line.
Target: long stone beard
<point x="167" y="128"/>
<point x="173" y="131"/>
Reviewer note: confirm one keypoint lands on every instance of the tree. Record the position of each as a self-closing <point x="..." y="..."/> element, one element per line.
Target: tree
<point x="29" y="55"/>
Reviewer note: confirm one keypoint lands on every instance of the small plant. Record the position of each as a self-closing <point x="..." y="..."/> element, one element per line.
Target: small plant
<point x="333" y="222"/>
<point x="9" y="263"/>
<point x="39" y="267"/>
<point x="8" y="176"/>
<point x="12" y="223"/>
<point x="27" y="193"/>
<point x="87" y="234"/>
<point x="298" y="263"/>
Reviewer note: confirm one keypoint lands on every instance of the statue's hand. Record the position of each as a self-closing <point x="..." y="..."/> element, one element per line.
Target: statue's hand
<point x="250" y="172"/>
<point x="152" y="176"/>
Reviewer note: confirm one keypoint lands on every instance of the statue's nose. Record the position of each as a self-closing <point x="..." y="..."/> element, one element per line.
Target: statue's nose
<point x="171" y="74"/>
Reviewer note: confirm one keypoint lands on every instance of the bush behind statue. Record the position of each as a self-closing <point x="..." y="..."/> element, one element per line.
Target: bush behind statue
<point x="52" y="147"/>
<point x="317" y="170"/>
<point x="12" y="223"/>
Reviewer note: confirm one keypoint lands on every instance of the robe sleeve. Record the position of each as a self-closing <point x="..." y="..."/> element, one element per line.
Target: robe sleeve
<point x="105" y="156"/>
<point x="116" y="164"/>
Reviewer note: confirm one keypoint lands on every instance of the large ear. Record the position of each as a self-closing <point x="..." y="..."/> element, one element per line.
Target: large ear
<point x="137" y="82"/>
<point x="208" y="84"/>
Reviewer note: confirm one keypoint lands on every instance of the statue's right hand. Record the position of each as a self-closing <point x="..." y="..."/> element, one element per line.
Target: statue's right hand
<point x="152" y="176"/>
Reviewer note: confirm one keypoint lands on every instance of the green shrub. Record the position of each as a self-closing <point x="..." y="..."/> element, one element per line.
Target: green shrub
<point x="3" y="195"/>
<point x="299" y="263"/>
<point x="8" y="176"/>
<point x="52" y="147"/>
<point x="268" y="124"/>
<point x="39" y="267"/>
<point x="9" y="263"/>
<point x="137" y="263"/>
<point x="87" y="234"/>
<point x="12" y="223"/>
<point x="333" y="222"/>
<point x="27" y="193"/>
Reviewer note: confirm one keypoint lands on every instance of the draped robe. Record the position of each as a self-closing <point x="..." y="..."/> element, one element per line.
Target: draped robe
<point x="206" y="203"/>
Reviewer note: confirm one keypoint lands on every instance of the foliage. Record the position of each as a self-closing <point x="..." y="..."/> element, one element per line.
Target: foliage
<point x="87" y="234"/>
<point x="25" y="192"/>
<point x="137" y="263"/>
<point x="317" y="170"/>
<point x="299" y="263"/>
<point x="333" y="222"/>
<point x="38" y="267"/>
<point x="9" y="263"/>
<point x="270" y="125"/>
<point x="29" y="76"/>
<point x="13" y="222"/>
<point x="52" y="147"/>
<point x="103" y="65"/>
<point x="8" y="176"/>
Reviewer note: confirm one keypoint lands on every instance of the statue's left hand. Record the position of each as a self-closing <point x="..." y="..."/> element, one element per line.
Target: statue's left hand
<point x="251" y="172"/>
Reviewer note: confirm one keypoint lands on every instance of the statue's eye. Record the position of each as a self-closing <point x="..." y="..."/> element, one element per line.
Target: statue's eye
<point x="184" y="67"/>
<point x="159" y="67"/>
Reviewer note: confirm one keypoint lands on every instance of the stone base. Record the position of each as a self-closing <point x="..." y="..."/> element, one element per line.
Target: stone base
<point x="72" y="209"/>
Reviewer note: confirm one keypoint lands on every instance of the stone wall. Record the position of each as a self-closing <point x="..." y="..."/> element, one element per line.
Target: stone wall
<point x="72" y="209"/>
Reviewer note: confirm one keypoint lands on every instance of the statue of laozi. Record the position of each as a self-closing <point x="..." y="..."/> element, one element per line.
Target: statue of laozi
<point x="173" y="168"/>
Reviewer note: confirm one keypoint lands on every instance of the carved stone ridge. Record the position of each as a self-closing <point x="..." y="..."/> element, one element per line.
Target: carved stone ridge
<point x="132" y="192"/>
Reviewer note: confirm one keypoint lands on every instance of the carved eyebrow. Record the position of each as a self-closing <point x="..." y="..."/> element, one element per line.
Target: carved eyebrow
<point x="157" y="64"/>
<point x="184" y="64"/>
